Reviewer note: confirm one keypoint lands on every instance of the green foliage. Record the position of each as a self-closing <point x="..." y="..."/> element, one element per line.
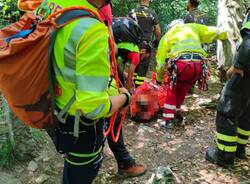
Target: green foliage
<point x="6" y="154"/>
<point x="167" y="10"/>
<point x="8" y="12"/>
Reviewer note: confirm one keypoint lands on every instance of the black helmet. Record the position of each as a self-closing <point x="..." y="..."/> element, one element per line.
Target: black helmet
<point x="126" y="29"/>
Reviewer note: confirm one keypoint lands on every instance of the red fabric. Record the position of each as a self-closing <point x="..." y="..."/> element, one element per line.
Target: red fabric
<point x="106" y="14"/>
<point x="187" y="74"/>
<point x="144" y="104"/>
<point x="162" y="94"/>
<point x="134" y="57"/>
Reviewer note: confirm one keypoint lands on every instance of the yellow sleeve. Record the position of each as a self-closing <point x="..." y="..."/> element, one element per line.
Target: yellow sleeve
<point x="93" y="72"/>
<point x="210" y="33"/>
<point x="161" y="56"/>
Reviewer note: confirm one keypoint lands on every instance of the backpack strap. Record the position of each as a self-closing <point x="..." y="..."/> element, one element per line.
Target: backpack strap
<point x="62" y="20"/>
<point x="61" y="114"/>
<point x="71" y="15"/>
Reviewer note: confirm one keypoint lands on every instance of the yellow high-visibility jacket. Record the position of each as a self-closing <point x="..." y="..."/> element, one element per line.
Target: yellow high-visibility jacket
<point x="186" y="38"/>
<point x="81" y="63"/>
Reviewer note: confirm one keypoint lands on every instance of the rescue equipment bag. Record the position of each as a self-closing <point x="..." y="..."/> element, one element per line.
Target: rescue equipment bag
<point x="126" y="29"/>
<point x="25" y="65"/>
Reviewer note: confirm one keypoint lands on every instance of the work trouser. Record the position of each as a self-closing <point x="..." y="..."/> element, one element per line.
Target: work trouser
<point x="188" y="72"/>
<point x="233" y="114"/>
<point x="119" y="149"/>
<point x="83" y="154"/>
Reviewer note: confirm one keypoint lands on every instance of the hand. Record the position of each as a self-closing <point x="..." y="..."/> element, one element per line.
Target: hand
<point x="123" y="90"/>
<point x="129" y="85"/>
<point x="232" y="70"/>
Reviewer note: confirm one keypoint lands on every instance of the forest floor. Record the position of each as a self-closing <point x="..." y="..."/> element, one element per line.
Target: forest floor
<point x="181" y="149"/>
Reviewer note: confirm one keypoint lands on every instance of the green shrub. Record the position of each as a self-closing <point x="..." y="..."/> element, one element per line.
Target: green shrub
<point x="8" y="12"/>
<point x="6" y="154"/>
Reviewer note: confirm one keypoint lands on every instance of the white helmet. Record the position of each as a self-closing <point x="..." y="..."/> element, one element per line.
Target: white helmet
<point x="175" y="23"/>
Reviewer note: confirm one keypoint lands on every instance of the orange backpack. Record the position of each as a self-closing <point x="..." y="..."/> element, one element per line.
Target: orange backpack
<point x="25" y="65"/>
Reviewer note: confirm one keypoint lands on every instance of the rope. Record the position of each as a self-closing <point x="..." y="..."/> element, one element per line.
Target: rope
<point x="114" y="73"/>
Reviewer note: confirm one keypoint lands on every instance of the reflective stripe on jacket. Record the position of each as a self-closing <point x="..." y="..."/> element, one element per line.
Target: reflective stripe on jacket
<point x="128" y="51"/>
<point x="128" y="46"/>
<point x="81" y="64"/>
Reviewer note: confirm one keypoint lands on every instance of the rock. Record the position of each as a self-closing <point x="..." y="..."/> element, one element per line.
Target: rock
<point x="246" y="168"/>
<point x="46" y="159"/>
<point x="8" y="179"/>
<point x="19" y="169"/>
<point x="32" y="166"/>
<point x="150" y="181"/>
<point x="59" y="165"/>
<point x="144" y="128"/>
<point x="203" y="172"/>
<point x="189" y="132"/>
<point x="48" y="169"/>
<point x="162" y="175"/>
<point x="42" y="178"/>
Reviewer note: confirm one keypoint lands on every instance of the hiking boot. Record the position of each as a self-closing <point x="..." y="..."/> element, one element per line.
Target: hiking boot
<point x="178" y="118"/>
<point x="169" y="124"/>
<point x="166" y="124"/>
<point x="241" y="151"/>
<point x="132" y="171"/>
<point x="221" y="158"/>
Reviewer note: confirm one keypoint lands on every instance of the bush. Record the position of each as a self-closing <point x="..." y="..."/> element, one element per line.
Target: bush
<point x="8" y="12"/>
<point x="7" y="155"/>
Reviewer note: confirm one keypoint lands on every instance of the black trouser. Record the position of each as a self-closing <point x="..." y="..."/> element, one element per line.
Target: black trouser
<point x="141" y="71"/>
<point x="233" y="113"/>
<point x="119" y="149"/>
<point x="83" y="154"/>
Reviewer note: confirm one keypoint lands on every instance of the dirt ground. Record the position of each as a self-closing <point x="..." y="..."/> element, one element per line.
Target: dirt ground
<point x="182" y="149"/>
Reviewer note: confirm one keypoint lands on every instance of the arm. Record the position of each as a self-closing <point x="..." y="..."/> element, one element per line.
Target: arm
<point x="92" y="74"/>
<point x="241" y="59"/>
<point x="209" y="34"/>
<point x="134" y="58"/>
<point x="118" y="102"/>
<point x="157" y="30"/>
<point x="129" y="82"/>
<point x="161" y="57"/>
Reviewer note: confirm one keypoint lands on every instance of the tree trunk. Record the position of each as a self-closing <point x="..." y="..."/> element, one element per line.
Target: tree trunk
<point x="230" y="17"/>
